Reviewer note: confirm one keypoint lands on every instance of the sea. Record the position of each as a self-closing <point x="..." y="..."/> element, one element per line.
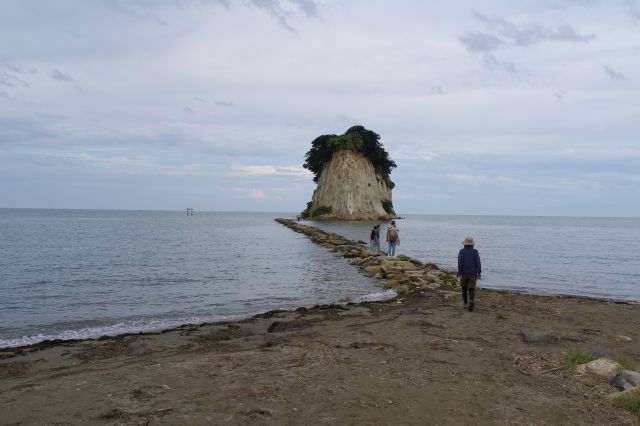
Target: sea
<point x="71" y="274"/>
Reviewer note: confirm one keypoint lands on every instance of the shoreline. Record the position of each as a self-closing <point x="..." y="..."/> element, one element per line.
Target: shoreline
<point x="336" y="243"/>
<point x="337" y="364"/>
<point x="53" y="342"/>
<point x="413" y="359"/>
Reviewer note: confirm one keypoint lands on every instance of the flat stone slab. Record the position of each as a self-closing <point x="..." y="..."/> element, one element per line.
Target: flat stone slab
<point x="601" y="367"/>
<point x="632" y="377"/>
<point x="621" y="384"/>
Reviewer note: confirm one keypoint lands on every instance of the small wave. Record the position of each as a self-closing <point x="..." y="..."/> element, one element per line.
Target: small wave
<point x="376" y="297"/>
<point x="141" y="326"/>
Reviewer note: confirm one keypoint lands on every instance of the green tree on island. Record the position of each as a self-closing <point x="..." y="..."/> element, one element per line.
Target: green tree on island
<point x="356" y="138"/>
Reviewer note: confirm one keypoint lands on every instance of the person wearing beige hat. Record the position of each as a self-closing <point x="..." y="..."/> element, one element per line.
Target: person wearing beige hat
<point x="469" y="271"/>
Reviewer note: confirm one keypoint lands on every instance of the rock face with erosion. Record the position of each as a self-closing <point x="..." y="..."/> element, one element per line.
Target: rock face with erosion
<point x="350" y="185"/>
<point x="352" y="172"/>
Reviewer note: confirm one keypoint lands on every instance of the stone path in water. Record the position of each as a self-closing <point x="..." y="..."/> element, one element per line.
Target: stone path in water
<point x="402" y="273"/>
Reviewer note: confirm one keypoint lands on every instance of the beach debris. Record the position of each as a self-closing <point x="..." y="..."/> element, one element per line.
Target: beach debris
<point x="624" y="339"/>
<point x="534" y="362"/>
<point x="601" y="367"/>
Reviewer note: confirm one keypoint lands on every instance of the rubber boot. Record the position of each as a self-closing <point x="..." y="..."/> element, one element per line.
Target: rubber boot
<point x="472" y="294"/>
<point x="464" y="296"/>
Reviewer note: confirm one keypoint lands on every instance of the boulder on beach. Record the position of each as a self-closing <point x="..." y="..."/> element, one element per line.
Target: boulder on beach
<point x="601" y="367"/>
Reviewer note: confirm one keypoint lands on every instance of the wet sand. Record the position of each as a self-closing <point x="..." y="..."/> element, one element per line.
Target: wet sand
<point x="419" y="359"/>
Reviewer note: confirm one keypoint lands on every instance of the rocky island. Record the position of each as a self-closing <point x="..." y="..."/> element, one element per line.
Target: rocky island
<point x="352" y="172"/>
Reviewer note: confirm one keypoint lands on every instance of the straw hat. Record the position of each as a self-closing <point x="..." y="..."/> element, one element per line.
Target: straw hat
<point x="468" y="241"/>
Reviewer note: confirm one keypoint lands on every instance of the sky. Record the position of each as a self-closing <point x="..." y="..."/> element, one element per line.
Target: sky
<point x="493" y="107"/>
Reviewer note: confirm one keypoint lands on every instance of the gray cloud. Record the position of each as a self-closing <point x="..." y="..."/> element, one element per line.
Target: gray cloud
<point x="583" y="2"/>
<point x="15" y="130"/>
<point x="56" y="74"/>
<point x="613" y="74"/>
<point x="54" y="117"/>
<point x="309" y="7"/>
<point x="506" y="33"/>
<point x="281" y="15"/>
<point x="134" y="9"/>
<point x="480" y="42"/>
<point x="634" y="8"/>
<point x="493" y="63"/>
<point x="502" y="33"/>
<point x="11" y="75"/>
<point x="188" y="110"/>
<point x="567" y="33"/>
<point x="6" y="79"/>
<point x="280" y="10"/>
<point x="199" y="99"/>
<point x="227" y="104"/>
<point x="17" y="68"/>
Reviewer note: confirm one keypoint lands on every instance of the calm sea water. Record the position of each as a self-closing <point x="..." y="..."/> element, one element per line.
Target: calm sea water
<point x="594" y="257"/>
<point x="87" y="273"/>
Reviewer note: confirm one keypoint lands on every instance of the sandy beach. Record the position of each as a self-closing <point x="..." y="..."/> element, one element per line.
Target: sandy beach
<point x="419" y="358"/>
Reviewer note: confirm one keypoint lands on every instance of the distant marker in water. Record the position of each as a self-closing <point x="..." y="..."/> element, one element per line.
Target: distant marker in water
<point x="189" y="211"/>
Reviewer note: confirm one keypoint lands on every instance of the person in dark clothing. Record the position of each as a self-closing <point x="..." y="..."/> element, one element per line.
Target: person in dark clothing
<point x="374" y="240"/>
<point x="469" y="271"/>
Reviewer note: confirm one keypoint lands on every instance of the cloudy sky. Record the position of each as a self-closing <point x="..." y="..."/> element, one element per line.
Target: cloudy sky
<point x="494" y="107"/>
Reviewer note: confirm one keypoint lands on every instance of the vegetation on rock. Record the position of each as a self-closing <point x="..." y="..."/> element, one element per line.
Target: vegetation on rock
<point x="387" y="205"/>
<point x="357" y="139"/>
<point x="318" y="211"/>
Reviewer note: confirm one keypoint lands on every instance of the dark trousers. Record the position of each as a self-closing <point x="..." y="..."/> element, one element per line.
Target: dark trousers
<point x="468" y="285"/>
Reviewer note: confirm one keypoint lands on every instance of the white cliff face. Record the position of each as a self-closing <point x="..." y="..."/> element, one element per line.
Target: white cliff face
<point x="350" y="186"/>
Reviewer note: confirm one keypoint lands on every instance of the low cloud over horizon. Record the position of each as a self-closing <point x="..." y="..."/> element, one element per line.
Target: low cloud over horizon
<point x="492" y="108"/>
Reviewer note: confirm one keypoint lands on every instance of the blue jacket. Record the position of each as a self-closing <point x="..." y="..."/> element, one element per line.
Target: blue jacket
<point x="469" y="262"/>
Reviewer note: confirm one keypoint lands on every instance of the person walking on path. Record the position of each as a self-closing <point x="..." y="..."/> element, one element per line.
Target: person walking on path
<point x="393" y="238"/>
<point x="469" y="271"/>
<point x="374" y="240"/>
